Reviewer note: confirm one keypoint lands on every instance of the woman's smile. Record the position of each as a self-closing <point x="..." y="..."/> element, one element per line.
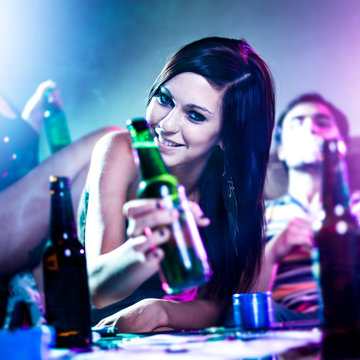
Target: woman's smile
<point x="164" y="141"/>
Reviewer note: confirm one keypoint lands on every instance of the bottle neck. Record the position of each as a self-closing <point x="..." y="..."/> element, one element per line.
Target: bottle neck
<point x="62" y="221"/>
<point x="335" y="184"/>
<point x="49" y="100"/>
<point x="151" y="162"/>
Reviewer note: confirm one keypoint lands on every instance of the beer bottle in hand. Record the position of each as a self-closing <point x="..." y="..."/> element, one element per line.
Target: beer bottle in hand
<point x="55" y="123"/>
<point x="186" y="263"/>
<point x="67" y="303"/>
<point x="337" y="244"/>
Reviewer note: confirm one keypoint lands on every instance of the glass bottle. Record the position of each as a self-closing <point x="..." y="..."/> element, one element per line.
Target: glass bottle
<point x="4" y="294"/>
<point x="66" y="289"/>
<point x="186" y="263"/>
<point x="337" y="246"/>
<point x="55" y="123"/>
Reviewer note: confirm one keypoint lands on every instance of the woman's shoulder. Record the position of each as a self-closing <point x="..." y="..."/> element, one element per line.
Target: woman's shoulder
<point x="114" y="140"/>
<point x="114" y="147"/>
<point x="113" y="159"/>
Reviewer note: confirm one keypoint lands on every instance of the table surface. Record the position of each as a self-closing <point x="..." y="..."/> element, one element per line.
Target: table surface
<point x="310" y="343"/>
<point x="209" y="344"/>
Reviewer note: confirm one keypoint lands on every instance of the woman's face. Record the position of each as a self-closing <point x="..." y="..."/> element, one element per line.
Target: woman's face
<point x="185" y="116"/>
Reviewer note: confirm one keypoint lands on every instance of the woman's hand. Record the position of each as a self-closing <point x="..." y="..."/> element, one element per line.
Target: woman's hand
<point x="145" y="316"/>
<point x="200" y="218"/>
<point x="132" y="264"/>
<point x="164" y="315"/>
<point x="146" y="214"/>
<point x="117" y="273"/>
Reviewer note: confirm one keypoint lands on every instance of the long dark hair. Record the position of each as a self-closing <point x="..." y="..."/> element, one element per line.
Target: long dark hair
<point x="231" y="186"/>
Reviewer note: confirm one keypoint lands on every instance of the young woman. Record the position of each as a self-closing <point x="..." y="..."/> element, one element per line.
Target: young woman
<point x="212" y="112"/>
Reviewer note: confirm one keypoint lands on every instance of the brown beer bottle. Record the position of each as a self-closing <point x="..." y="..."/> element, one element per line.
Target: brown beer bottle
<point x="186" y="263"/>
<point x="337" y="244"/>
<point x="66" y="289"/>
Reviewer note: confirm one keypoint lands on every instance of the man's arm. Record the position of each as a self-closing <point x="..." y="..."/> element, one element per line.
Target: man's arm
<point x="297" y="233"/>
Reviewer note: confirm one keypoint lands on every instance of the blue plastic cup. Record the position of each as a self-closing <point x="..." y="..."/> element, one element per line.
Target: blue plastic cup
<point x="253" y="311"/>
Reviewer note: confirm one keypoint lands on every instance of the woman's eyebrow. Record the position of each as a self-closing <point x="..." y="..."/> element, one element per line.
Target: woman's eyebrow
<point x="193" y="106"/>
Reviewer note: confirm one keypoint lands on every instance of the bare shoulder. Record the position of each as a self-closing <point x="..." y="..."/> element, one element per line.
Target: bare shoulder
<point x="113" y="155"/>
<point x="114" y="141"/>
<point x="114" y="146"/>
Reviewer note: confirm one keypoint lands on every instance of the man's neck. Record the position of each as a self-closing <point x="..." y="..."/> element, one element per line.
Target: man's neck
<point x="305" y="186"/>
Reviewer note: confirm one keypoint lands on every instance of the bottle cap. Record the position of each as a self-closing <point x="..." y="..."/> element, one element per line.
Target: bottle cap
<point x="139" y="124"/>
<point x="59" y="182"/>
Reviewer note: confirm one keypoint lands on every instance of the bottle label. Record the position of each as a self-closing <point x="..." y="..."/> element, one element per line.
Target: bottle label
<point x="185" y="264"/>
<point x="57" y="131"/>
<point x="67" y="301"/>
<point x="163" y="178"/>
<point x="144" y="144"/>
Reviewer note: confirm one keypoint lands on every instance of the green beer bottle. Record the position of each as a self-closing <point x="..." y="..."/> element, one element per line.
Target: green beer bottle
<point x="55" y="123"/>
<point x="67" y="302"/>
<point x="186" y="263"/>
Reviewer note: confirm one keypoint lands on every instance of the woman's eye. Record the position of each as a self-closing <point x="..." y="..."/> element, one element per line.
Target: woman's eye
<point x="164" y="100"/>
<point x="196" y="117"/>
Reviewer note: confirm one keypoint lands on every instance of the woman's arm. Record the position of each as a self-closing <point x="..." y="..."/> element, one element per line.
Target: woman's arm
<point x="117" y="268"/>
<point x="160" y="315"/>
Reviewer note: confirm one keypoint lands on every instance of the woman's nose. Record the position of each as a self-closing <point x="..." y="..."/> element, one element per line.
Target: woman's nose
<point x="170" y="123"/>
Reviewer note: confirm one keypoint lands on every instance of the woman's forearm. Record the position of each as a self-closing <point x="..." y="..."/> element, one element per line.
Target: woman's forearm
<point x="116" y="274"/>
<point x="196" y="314"/>
<point x="158" y="315"/>
<point x="112" y="276"/>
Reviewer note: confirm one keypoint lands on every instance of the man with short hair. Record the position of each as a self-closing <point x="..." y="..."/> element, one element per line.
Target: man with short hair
<point x="286" y="270"/>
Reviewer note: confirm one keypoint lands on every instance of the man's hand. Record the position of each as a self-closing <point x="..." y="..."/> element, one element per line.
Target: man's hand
<point x="297" y="233"/>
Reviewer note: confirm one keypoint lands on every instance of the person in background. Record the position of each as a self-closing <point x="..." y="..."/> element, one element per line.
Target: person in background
<point x="211" y="110"/>
<point x="20" y="132"/>
<point x="286" y="270"/>
<point x="24" y="193"/>
<point x="19" y="143"/>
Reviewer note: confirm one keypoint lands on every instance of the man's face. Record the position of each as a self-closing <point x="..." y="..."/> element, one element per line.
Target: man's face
<point x="304" y="129"/>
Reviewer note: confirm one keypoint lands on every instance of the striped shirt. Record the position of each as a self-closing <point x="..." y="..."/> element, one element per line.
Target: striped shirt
<point x="295" y="286"/>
